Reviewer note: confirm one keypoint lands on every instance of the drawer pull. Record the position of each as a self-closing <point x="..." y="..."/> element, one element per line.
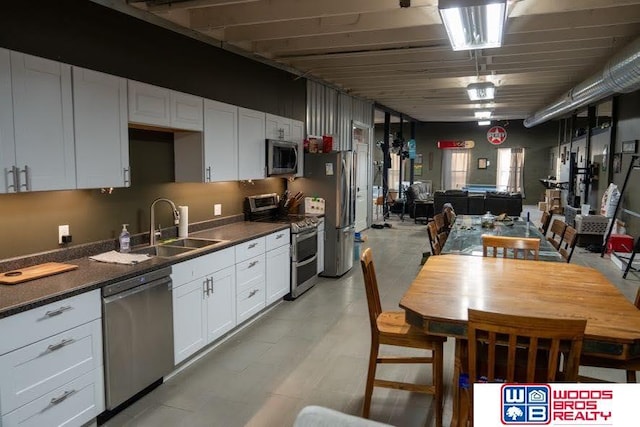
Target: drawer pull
<point x="280" y="236"/>
<point x="62" y="398"/>
<point x="253" y="245"/>
<point x="205" y="289"/>
<point x="54" y="347"/>
<point x="252" y="264"/>
<point x="252" y="293"/>
<point x="58" y="311"/>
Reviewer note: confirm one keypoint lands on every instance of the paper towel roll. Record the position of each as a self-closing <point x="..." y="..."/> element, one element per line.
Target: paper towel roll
<point x="183" y="226"/>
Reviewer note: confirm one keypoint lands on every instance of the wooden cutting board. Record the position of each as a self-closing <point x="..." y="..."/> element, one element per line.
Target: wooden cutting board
<point x="34" y="272"/>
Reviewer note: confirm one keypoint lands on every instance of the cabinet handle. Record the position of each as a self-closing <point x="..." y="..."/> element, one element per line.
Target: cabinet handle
<point x="27" y="178"/>
<point x="253" y="245"/>
<point x="281" y="133"/>
<point x="252" y="293"/>
<point x="210" y="284"/>
<point x="280" y="236"/>
<point x="127" y="177"/>
<point x="54" y="347"/>
<point x="62" y="398"/>
<point x="252" y="264"/>
<point x="205" y="289"/>
<point x="208" y="177"/>
<point x="13" y="187"/>
<point x="57" y="312"/>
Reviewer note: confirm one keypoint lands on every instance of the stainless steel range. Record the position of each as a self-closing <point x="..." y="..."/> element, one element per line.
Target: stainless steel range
<point x="304" y="238"/>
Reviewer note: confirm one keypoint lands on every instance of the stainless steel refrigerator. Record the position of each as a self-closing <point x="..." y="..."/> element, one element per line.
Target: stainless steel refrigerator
<point x="332" y="177"/>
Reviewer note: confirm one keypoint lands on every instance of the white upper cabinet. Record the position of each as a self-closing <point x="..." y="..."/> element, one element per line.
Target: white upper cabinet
<point x="101" y="134"/>
<point x="157" y="106"/>
<point x="149" y="104"/>
<point x="43" y="123"/>
<point x="186" y="111"/>
<point x="7" y="144"/>
<point x="278" y="127"/>
<point x="212" y="155"/>
<point x="251" y="144"/>
<point x="221" y="141"/>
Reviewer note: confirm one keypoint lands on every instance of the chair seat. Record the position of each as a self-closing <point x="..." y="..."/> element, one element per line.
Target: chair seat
<point x="394" y="330"/>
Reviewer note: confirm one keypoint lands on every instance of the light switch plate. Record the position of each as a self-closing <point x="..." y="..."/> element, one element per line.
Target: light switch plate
<point x="217" y="209"/>
<point x="63" y="230"/>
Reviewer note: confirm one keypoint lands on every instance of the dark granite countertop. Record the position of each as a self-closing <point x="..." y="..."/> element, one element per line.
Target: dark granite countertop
<point x="92" y="275"/>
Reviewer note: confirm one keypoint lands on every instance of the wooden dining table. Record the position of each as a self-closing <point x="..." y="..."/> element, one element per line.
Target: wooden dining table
<point x="448" y="285"/>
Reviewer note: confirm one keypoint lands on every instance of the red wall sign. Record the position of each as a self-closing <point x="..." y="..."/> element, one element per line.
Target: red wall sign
<point x="452" y="144"/>
<point x="496" y="135"/>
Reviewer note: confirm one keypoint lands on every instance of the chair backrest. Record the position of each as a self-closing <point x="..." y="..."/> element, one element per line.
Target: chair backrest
<point x="637" y="302"/>
<point x="440" y="222"/>
<point x="557" y="231"/>
<point x="544" y="222"/>
<point x="432" y="231"/>
<point x="371" y="286"/>
<point x="496" y="340"/>
<point x="379" y="201"/>
<point x="526" y="245"/>
<point x="568" y="243"/>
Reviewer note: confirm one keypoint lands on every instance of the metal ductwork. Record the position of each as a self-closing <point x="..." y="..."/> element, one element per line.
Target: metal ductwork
<point x="620" y="75"/>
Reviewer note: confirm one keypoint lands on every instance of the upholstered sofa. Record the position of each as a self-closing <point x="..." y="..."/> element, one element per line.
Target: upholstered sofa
<point x="496" y="202"/>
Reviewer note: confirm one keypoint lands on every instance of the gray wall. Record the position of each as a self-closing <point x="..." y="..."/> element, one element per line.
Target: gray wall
<point x="89" y="35"/>
<point x="536" y="141"/>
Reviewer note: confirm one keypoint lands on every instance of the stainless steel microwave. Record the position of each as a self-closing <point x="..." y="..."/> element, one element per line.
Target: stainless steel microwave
<point x="282" y="157"/>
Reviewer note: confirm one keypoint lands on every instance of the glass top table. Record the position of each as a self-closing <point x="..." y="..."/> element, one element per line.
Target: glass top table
<point x="465" y="236"/>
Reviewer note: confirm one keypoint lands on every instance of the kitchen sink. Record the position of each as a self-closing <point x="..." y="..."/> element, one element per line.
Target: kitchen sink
<point x="177" y="247"/>
<point x="162" y="251"/>
<point x="192" y="243"/>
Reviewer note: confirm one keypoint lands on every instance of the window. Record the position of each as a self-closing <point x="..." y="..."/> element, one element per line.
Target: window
<point x="455" y="166"/>
<point x="510" y="173"/>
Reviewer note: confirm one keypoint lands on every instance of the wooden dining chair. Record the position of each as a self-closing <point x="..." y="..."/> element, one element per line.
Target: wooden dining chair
<point x="440" y="222"/>
<point x="434" y="242"/>
<point x="557" y="231"/>
<point x="515" y="245"/>
<point x="511" y="348"/>
<point x="568" y="243"/>
<point x="545" y="221"/>
<point x="390" y="328"/>
<point x="630" y="366"/>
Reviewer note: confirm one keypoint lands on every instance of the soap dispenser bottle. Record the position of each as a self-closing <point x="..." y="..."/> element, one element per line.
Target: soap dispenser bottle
<point x="125" y="239"/>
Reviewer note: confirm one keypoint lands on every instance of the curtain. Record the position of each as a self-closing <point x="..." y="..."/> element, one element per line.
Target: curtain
<point x="455" y="167"/>
<point x="516" y="171"/>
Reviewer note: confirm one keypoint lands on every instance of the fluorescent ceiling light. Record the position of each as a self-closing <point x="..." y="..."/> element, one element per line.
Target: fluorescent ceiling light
<point x="484" y="122"/>
<point x="473" y="24"/>
<point x="482" y="114"/>
<point x="481" y="91"/>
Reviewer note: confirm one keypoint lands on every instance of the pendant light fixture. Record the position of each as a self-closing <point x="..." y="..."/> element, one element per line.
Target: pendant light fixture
<point x="481" y="91"/>
<point x="473" y="24"/>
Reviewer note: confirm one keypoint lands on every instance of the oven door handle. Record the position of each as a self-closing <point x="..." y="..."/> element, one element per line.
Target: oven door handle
<point x="307" y="261"/>
<point x="304" y="236"/>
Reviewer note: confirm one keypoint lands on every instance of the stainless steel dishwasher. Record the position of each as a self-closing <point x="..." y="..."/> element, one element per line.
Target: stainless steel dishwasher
<point x="138" y="334"/>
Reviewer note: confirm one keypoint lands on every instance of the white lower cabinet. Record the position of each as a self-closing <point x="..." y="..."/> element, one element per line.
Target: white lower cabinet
<point x="53" y="377"/>
<point x="251" y="287"/>
<point x="203" y="308"/>
<point x="278" y="258"/>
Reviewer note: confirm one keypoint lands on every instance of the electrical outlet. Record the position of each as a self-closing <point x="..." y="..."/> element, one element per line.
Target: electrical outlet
<point x="217" y="209"/>
<point x="63" y="230"/>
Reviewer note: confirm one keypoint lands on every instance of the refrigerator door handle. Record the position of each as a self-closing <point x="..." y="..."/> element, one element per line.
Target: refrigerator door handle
<point x="344" y="211"/>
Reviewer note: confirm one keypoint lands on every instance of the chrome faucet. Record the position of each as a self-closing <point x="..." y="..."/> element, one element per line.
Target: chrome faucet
<point x="176" y="218"/>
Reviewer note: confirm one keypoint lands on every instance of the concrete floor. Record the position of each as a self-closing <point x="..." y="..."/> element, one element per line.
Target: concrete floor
<point x="313" y="351"/>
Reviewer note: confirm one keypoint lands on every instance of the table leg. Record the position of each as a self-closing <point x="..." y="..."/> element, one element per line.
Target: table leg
<point x="460" y="397"/>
